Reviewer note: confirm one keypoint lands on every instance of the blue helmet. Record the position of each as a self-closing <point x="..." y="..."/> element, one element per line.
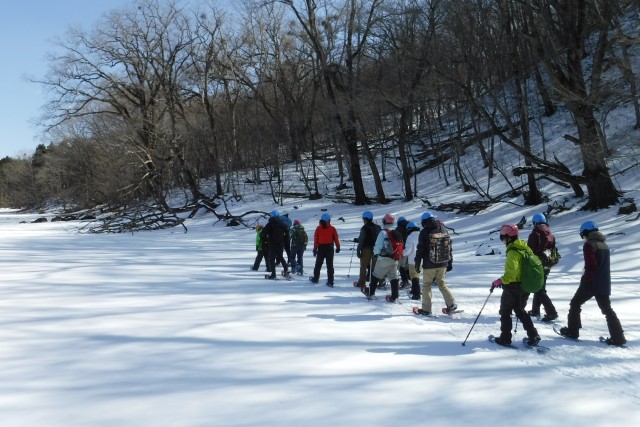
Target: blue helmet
<point x="325" y="217"/>
<point x="367" y="215"/>
<point x="586" y="227"/>
<point x="426" y="215"/>
<point x="402" y="219"/>
<point x="275" y="213"/>
<point x="411" y="224"/>
<point x="539" y="218"/>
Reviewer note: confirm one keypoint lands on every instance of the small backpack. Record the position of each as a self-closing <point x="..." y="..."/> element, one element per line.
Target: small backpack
<point x="439" y="247"/>
<point x="532" y="273"/>
<point x="550" y="257"/>
<point x="393" y="245"/>
<point x="298" y="236"/>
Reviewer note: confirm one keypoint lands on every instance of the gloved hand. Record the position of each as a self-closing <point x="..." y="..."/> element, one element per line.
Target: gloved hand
<point x="449" y="267"/>
<point x="417" y="266"/>
<point x="315" y="251"/>
<point x="355" y="240"/>
<point x="257" y="249"/>
<point x="338" y="250"/>
<point x="497" y="283"/>
<point x="358" y="253"/>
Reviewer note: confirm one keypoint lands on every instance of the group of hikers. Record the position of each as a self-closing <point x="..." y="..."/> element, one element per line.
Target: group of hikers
<point x="400" y="251"/>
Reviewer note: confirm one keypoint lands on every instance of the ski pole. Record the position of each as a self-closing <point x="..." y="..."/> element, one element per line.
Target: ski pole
<point x="350" y="262"/>
<point x="474" y="322"/>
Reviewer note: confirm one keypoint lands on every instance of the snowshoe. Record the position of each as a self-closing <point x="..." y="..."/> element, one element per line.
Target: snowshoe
<point x="312" y="280"/>
<point x="566" y="333"/>
<point x="609" y="341"/>
<point x="421" y="312"/>
<point x="388" y="298"/>
<point x="329" y="284"/>
<point x="270" y="277"/>
<point x="501" y="341"/>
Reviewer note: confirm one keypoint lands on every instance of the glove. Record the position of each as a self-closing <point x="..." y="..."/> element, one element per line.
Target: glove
<point x="449" y="267"/>
<point x="355" y="240"/>
<point x="338" y="250"/>
<point x="257" y="249"/>
<point x="358" y="253"/>
<point x="417" y="266"/>
<point x="315" y="251"/>
<point x="496" y="283"/>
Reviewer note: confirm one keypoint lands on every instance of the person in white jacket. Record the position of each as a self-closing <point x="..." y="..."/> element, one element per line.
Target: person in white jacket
<point x="413" y="231"/>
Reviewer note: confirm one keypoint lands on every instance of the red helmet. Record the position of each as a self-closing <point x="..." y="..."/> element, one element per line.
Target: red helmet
<point x="296" y="222"/>
<point x="388" y="219"/>
<point x="508" y="230"/>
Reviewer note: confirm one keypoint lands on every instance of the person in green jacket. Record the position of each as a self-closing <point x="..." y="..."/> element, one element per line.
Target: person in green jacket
<point x="513" y="299"/>
<point x="260" y="249"/>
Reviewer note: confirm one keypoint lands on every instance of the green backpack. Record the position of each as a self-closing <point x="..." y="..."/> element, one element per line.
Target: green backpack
<point x="532" y="274"/>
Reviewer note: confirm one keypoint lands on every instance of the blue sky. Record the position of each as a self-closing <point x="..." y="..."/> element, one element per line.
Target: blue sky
<point x="27" y="29"/>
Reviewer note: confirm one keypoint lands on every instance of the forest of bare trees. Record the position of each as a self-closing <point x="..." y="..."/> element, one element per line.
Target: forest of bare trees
<point x="160" y="96"/>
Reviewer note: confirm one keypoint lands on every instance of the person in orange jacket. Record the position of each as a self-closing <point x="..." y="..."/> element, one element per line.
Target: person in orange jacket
<point x="324" y="239"/>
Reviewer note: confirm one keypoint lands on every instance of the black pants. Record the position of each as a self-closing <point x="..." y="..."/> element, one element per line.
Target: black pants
<point x="275" y="256"/>
<point x="541" y="298"/>
<point x="325" y="252"/>
<point x="584" y="294"/>
<point x="514" y="299"/>
<point x="258" y="260"/>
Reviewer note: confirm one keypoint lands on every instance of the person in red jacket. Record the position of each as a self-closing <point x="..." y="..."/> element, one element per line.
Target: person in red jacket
<point x="324" y="239"/>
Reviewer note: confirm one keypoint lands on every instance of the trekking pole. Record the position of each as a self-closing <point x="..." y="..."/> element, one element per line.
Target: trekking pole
<point x="474" y="322"/>
<point x="350" y="262"/>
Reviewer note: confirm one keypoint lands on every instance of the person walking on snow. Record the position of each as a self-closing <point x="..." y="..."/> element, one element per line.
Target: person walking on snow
<point x="260" y="250"/>
<point x="409" y="253"/>
<point x="403" y="267"/>
<point x="433" y="268"/>
<point x="366" y="239"/>
<point x="299" y="240"/>
<point x="513" y="297"/>
<point x="540" y="240"/>
<point x="324" y="239"/>
<point x="386" y="265"/>
<point x="276" y="235"/>
<point x="595" y="282"/>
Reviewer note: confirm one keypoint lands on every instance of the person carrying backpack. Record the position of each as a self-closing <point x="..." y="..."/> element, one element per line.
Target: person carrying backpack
<point x="514" y="298"/>
<point x="409" y="252"/>
<point x="366" y="239"/>
<point x="299" y="240"/>
<point x="403" y="267"/>
<point x="595" y="282"/>
<point x="540" y="240"/>
<point x="260" y="252"/>
<point x="434" y="255"/>
<point x="388" y="250"/>
<point x="276" y="235"/>
<point x="324" y="239"/>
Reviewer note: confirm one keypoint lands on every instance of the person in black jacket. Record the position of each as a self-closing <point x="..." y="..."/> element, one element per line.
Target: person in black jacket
<point x="403" y="263"/>
<point x="433" y="271"/>
<point x="366" y="239"/>
<point x="276" y="235"/>
<point x="595" y="282"/>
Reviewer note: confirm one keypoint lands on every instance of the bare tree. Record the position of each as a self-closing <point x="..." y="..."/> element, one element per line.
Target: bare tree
<point x="559" y="30"/>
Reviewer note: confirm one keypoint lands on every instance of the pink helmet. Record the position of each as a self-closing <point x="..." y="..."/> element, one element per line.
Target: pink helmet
<point x="388" y="219"/>
<point x="296" y="222"/>
<point x="508" y="230"/>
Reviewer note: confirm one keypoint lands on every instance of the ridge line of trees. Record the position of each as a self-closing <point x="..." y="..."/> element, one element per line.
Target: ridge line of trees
<point x="157" y="96"/>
